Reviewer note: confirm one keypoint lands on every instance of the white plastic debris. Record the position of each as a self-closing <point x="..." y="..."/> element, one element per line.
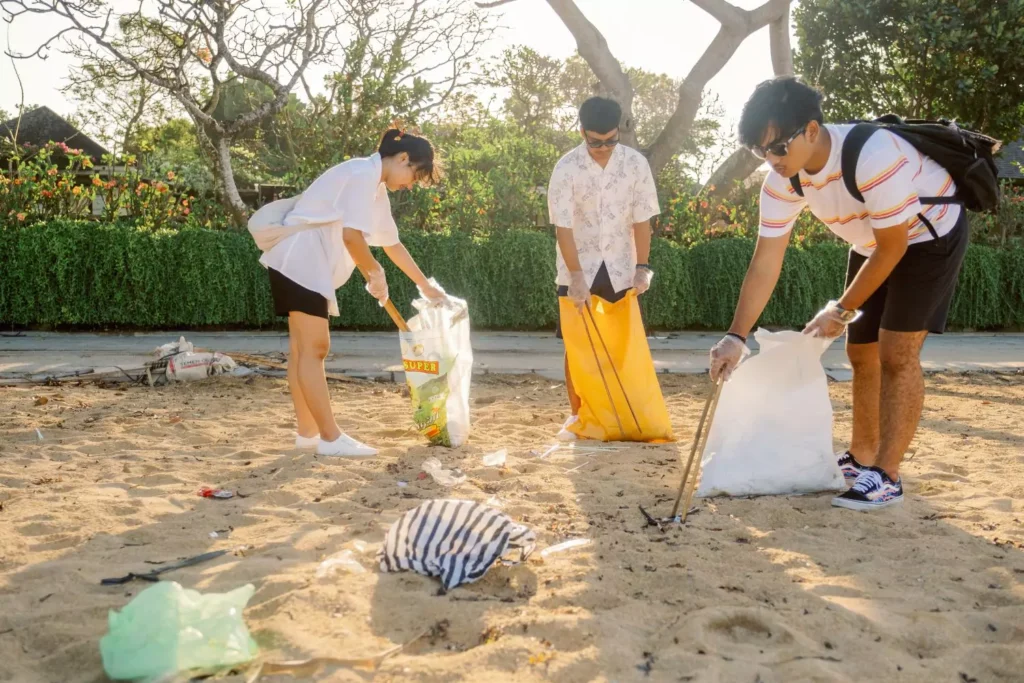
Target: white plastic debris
<point x="242" y="372"/>
<point x="344" y="560"/>
<point x="549" y="451"/>
<point x="496" y="459"/>
<point x="214" y="534"/>
<point x="495" y="502"/>
<point x="39" y="434"/>
<point x="402" y="484"/>
<point x="191" y="366"/>
<point x="565" y="545"/>
<point x="172" y="348"/>
<point x="442" y="476"/>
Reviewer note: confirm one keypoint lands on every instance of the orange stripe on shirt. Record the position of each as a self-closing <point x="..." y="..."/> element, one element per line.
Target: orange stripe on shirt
<point x="884" y="175"/>
<point x="776" y="225"/>
<point x="896" y="210"/>
<point x="775" y="195"/>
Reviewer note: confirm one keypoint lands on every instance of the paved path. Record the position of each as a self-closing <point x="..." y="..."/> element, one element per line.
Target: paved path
<point x="376" y="353"/>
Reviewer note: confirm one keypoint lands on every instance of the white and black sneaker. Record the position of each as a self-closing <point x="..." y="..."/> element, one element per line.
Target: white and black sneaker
<point x="850" y="467"/>
<point x="873" y="490"/>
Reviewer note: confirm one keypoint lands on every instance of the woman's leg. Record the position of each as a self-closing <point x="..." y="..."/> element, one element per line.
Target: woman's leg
<point x="313" y="344"/>
<point x="306" y="423"/>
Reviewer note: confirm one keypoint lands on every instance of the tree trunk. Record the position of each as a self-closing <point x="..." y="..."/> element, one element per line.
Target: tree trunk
<point x="741" y="163"/>
<point x="237" y="211"/>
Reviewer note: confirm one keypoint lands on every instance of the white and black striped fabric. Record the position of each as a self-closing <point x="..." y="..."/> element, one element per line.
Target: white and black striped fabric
<point x="455" y="540"/>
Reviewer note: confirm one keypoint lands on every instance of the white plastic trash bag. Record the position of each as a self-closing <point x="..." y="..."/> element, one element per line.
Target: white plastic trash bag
<point x="438" y="362"/>
<point x="772" y="432"/>
<point x="267" y="225"/>
<point x="188" y="366"/>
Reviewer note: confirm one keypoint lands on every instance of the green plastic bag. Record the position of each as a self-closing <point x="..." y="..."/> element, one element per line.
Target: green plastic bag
<point x="167" y="629"/>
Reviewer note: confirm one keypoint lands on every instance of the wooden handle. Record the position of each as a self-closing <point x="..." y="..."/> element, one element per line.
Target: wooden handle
<point x="396" y="316"/>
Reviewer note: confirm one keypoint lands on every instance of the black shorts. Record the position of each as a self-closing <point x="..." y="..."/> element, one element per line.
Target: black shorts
<point x="917" y="295"/>
<point x="290" y="296"/>
<point x="602" y="287"/>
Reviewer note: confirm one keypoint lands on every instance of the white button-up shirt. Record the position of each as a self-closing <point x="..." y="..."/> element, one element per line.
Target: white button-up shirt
<point x="600" y="206"/>
<point x="349" y="195"/>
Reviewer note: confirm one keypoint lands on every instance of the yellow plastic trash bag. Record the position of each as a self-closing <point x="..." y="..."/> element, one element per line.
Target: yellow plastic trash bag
<point x="622" y="333"/>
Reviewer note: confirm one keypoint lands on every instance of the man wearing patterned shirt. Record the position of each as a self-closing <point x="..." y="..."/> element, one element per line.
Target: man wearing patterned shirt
<point x="601" y="200"/>
<point x="903" y="268"/>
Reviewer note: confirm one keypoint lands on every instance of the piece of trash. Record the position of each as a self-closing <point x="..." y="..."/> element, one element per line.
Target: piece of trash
<point x="344" y="560"/>
<point x="549" y="451"/>
<point x="402" y="484"/>
<point x="39" y="434"/>
<point x="360" y="546"/>
<point x="171" y="348"/>
<point x="441" y="475"/>
<point x="495" y="502"/>
<point x="485" y="536"/>
<point x="191" y="366"/>
<point x="41" y="401"/>
<point x="168" y="629"/>
<point x="242" y="371"/>
<point x="214" y="534"/>
<point x="496" y="459"/>
<point x="566" y="545"/>
<point x="175" y="419"/>
<point x="155" y="574"/>
<point x="207" y="492"/>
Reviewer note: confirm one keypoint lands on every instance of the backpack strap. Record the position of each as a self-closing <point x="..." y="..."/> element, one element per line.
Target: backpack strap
<point x="797" y="187"/>
<point x="850" y="155"/>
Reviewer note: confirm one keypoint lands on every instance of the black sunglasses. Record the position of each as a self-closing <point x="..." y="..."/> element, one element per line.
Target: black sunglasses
<point x="777" y="148"/>
<point x="598" y="144"/>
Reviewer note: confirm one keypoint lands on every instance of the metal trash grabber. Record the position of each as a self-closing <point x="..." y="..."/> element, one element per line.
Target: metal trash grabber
<point x="622" y="432"/>
<point x="611" y="362"/>
<point x="699" y="439"/>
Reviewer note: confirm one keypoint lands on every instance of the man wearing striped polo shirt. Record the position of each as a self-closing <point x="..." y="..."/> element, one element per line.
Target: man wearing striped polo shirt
<point x="903" y="268"/>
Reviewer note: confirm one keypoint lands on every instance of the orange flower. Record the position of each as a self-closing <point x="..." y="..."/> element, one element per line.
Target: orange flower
<point x="481" y="211"/>
<point x="703" y="205"/>
<point x="18" y="181"/>
<point x="96" y="181"/>
<point x="21" y="216"/>
<point x="437" y="200"/>
<point x="86" y="163"/>
<point x="187" y="211"/>
<point x="52" y="171"/>
<point x="76" y="190"/>
<point x="46" y="193"/>
<point x="170" y="175"/>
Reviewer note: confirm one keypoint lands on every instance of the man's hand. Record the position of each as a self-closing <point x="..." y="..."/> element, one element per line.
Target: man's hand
<point x="829" y="323"/>
<point x="579" y="291"/>
<point x="377" y="284"/>
<point x="725" y="356"/>
<point x="642" y="279"/>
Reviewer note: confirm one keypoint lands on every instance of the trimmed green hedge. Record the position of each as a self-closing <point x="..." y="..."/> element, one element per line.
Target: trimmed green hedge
<point x="79" y="274"/>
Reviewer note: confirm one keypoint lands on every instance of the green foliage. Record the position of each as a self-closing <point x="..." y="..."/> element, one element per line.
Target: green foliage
<point x="917" y="58"/>
<point x="73" y="273"/>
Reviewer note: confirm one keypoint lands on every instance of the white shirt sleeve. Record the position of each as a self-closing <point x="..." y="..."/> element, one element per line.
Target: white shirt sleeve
<point x="645" y="194"/>
<point x="780" y="206"/>
<point x="886" y="179"/>
<point x="385" y="230"/>
<point x="560" y="196"/>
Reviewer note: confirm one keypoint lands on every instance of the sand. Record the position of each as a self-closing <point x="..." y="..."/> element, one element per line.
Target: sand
<point x="771" y="589"/>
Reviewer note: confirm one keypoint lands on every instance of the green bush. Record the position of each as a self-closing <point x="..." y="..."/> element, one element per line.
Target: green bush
<point x="81" y="274"/>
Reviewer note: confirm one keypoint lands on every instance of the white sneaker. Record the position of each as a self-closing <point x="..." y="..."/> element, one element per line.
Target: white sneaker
<point x="564" y="434"/>
<point x="345" y="447"/>
<point x="304" y="442"/>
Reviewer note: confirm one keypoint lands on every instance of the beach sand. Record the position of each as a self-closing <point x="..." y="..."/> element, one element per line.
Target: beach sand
<point x="769" y="589"/>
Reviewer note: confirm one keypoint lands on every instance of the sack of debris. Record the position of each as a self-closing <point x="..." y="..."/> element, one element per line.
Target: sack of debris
<point x="772" y="432"/>
<point x="183" y="367"/>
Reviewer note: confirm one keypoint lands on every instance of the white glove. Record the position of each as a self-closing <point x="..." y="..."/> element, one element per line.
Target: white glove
<point x="725" y="356"/>
<point x="434" y="293"/>
<point x="377" y="285"/>
<point x="829" y="323"/>
<point x="579" y="290"/>
<point x="642" y="280"/>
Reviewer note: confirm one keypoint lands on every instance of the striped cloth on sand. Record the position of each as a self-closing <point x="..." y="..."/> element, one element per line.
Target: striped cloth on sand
<point x="455" y="540"/>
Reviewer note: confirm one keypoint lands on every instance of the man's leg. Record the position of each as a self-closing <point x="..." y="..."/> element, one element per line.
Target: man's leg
<point x="867" y="386"/>
<point x="901" y="398"/>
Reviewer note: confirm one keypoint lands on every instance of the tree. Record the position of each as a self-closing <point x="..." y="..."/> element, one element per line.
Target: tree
<point x="736" y="25"/>
<point x="918" y="58"/>
<point x="402" y="61"/>
<point x="193" y="50"/>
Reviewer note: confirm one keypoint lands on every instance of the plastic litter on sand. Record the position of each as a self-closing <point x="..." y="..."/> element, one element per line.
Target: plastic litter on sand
<point x="441" y="475"/>
<point x="565" y="545"/>
<point x="496" y="459"/>
<point x="39" y="434"/>
<point x="344" y="560"/>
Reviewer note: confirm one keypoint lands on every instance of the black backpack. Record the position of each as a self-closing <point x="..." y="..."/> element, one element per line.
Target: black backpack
<point x="966" y="155"/>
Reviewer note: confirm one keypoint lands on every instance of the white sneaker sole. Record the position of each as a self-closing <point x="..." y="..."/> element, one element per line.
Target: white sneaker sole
<point x="306" y="442"/>
<point x="840" y="502"/>
<point x="345" y="447"/>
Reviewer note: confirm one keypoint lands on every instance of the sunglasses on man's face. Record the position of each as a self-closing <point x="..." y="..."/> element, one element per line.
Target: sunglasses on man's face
<point x="779" y="148"/>
<point x="598" y="144"/>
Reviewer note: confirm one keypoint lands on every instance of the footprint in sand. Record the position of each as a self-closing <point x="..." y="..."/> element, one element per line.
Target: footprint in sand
<point x="751" y="634"/>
